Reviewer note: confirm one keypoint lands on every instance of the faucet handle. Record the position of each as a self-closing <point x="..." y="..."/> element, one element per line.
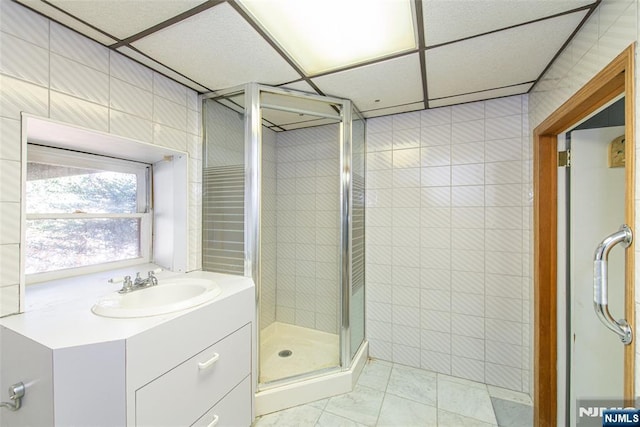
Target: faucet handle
<point x="153" y="280"/>
<point x="127" y="285"/>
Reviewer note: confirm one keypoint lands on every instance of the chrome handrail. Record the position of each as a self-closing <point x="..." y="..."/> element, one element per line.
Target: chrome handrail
<point x="601" y="285"/>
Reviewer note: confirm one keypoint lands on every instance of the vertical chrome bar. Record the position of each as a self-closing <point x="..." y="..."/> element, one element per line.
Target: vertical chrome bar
<point x="345" y="232"/>
<point x="601" y="285"/>
<point x="364" y="221"/>
<point x="252" y="184"/>
<point x="252" y="211"/>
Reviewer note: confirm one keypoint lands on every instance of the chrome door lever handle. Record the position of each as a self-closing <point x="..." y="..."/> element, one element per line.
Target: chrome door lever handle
<point x="601" y="285"/>
<point x="16" y="393"/>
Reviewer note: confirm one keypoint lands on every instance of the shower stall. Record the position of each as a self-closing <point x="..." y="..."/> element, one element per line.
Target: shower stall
<point x="283" y="202"/>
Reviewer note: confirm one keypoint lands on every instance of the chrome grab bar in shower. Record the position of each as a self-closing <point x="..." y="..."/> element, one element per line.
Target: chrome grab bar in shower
<point x="601" y="286"/>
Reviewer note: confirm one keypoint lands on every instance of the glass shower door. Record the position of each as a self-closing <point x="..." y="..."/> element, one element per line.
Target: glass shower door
<point x="283" y="192"/>
<point x="223" y="183"/>
<point x="299" y="245"/>
<point x="358" y="153"/>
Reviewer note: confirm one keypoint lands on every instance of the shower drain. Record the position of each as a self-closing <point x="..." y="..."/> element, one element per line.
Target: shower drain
<point x="285" y="353"/>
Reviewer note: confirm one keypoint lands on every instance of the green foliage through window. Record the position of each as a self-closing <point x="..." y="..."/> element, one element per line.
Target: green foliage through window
<point x="80" y="213"/>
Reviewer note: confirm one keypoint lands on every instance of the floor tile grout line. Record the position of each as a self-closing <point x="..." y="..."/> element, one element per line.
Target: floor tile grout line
<point x="384" y="393"/>
<point x="437" y="399"/>
<point x="438" y="382"/>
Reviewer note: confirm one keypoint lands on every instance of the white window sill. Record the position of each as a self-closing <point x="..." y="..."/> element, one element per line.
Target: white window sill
<point x="85" y="287"/>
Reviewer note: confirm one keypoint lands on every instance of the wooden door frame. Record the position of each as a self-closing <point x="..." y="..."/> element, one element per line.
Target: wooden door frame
<point x="615" y="79"/>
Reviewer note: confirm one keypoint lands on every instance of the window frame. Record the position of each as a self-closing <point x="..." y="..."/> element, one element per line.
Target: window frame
<point x="69" y="158"/>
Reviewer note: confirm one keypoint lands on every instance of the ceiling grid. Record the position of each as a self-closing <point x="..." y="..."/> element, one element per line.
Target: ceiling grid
<point x="463" y="51"/>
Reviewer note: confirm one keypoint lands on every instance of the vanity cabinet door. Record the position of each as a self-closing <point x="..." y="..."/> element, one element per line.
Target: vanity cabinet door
<point x="234" y="410"/>
<point x="183" y="394"/>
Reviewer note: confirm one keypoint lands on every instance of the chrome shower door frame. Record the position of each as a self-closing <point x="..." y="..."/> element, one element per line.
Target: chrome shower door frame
<point x="253" y="155"/>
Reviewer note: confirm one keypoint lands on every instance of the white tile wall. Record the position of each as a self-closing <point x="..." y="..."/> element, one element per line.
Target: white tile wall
<point x="74" y="110"/>
<point x="128" y="97"/>
<point x="69" y="44"/>
<point x="51" y="71"/>
<point x="269" y="240"/>
<point x="445" y="247"/>
<point x="613" y="26"/>
<point x="73" y="78"/>
<point x="24" y="60"/>
<point x="307" y="218"/>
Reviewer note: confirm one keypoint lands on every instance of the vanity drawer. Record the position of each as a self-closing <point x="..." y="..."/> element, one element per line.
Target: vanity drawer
<point x="234" y="410"/>
<point x="183" y="394"/>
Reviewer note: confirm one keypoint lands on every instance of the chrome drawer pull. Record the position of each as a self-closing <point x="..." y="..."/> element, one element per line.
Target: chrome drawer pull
<point x="208" y="363"/>
<point x="214" y="422"/>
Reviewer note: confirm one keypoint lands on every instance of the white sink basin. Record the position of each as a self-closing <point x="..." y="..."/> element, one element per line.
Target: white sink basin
<point x="166" y="297"/>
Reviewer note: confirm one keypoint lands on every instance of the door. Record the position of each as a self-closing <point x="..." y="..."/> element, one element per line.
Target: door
<point x="596" y="210"/>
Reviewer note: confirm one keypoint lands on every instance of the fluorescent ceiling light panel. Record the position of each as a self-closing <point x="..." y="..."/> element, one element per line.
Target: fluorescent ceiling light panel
<point x="324" y="35"/>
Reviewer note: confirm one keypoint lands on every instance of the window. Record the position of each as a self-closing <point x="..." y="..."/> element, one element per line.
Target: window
<point x="84" y="213"/>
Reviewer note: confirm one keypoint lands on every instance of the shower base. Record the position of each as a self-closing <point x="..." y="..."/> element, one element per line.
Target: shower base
<point x="289" y="350"/>
<point x="297" y="391"/>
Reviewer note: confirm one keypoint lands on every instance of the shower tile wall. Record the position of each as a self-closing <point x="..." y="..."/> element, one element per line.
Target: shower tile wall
<point x="308" y="227"/>
<point x="225" y="140"/>
<point x="50" y="71"/>
<point x="613" y="26"/>
<point x="269" y="229"/>
<point x="448" y="240"/>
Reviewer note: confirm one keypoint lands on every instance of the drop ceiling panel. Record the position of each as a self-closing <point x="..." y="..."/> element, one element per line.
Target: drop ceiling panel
<point x="509" y="57"/>
<point x="394" y="110"/>
<point x="125" y="18"/>
<point x="219" y="49"/>
<point x="300" y="85"/>
<point x="69" y="21"/>
<point x="392" y="82"/>
<point x="161" y="69"/>
<point x="445" y="21"/>
<point x="489" y="94"/>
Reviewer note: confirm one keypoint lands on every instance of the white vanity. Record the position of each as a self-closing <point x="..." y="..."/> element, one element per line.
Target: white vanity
<point x="191" y="367"/>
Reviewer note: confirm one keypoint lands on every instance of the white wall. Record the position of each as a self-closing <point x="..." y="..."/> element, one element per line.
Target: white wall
<point x="448" y="240"/>
<point x="612" y="27"/>
<point x="50" y="71"/>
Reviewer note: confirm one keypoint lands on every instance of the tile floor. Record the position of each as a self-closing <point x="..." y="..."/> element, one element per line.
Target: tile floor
<point x="389" y="394"/>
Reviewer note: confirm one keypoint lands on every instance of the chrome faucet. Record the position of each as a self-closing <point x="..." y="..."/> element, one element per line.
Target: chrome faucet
<point x="139" y="283"/>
